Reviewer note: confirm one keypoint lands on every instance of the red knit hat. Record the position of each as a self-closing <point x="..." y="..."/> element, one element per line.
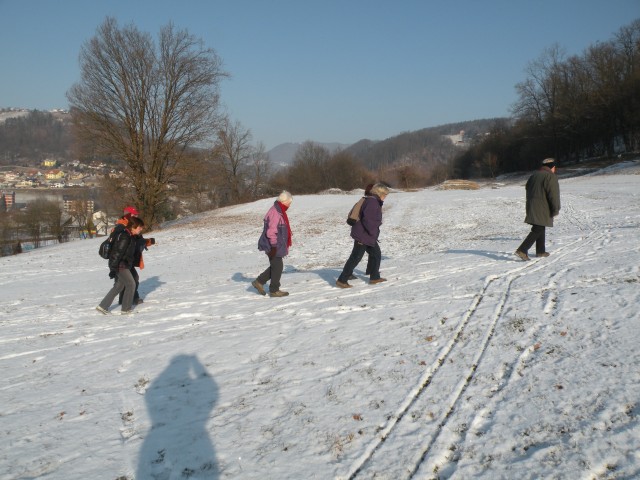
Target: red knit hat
<point x="131" y="211"/>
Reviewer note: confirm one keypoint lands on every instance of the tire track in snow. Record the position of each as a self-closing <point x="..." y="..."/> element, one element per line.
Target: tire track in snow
<point x="442" y="457"/>
<point x="459" y="358"/>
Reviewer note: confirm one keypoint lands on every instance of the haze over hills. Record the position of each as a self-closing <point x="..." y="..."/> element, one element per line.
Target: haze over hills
<point x="282" y="155"/>
<point x="439" y="142"/>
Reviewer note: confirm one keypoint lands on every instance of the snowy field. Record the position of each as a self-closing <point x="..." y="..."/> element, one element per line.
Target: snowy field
<point x="467" y="363"/>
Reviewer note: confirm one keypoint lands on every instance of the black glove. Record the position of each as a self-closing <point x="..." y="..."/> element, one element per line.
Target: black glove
<point x="112" y="274"/>
<point x="152" y="241"/>
<point x="272" y="253"/>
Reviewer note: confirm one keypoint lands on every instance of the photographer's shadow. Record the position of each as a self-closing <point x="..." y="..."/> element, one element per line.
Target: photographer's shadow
<point x="179" y="402"/>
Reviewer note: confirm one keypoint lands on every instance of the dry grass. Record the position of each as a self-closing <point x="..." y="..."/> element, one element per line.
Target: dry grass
<point x="459" y="185"/>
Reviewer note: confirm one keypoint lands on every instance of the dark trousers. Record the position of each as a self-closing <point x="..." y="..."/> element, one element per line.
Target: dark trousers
<point x="136" y="295"/>
<point x="535" y="236"/>
<point x="373" y="265"/>
<point x="273" y="273"/>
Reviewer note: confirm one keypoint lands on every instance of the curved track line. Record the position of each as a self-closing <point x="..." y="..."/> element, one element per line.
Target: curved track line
<point x="426" y="378"/>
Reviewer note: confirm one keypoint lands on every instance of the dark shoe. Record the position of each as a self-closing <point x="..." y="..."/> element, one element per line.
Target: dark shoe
<point x="523" y="255"/>
<point x="138" y="301"/>
<point x="542" y="255"/>
<point x="352" y="277"/>
<point x="102" y="310"/>
<point x="258" y="286"/>
<point x="126" y="312"/>
<point x="279" y="293"/>
<point x="343" y="284"/>
<point x="377" y="280"/>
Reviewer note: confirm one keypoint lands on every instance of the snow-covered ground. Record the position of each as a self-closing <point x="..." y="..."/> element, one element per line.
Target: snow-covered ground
<point x="467" y="363"/>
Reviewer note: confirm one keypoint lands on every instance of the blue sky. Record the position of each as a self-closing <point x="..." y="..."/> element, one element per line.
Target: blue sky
<point x="329" y="70"/>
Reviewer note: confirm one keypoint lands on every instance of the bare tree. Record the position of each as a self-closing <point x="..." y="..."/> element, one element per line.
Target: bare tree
<point x="232" y="153"/>
<point x="198" y="185"/>
<point x="52" y="219"/>
<point x="308" y="173"/>
<point x="539" y="92"/>
<point x="346" y="172"/>
<point x="146" y="103"/>
<point x="82" y="212"/>
<point x="259" y="172"/>
<point x="112" y="198"/>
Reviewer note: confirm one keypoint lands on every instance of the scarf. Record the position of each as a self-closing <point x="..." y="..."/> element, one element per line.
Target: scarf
<point x="284" y="208"/>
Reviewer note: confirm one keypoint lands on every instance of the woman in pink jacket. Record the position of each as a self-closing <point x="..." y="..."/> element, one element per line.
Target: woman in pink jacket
<point x="275" y="242"/>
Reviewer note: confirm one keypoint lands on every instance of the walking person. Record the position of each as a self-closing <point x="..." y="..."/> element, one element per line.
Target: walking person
<point x="543" y="203"/>
<point x="141" y="245"/>
<point x="365" y="235"/>
<point x="121" y="259"/>
<point x="275" y="242"/>
<point x="367" y="193"/>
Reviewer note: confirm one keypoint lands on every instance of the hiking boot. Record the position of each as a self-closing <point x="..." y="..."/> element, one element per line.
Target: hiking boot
<point x="352" y="277"/>
<point x="542" y="255"/>
<point x="138" y="301"/>
<point x="343" y="284"/>
<point x="102" y="310"/>
<point x="279" y="293"/>
<point x="258" y="286"/>
<point x="126" y="312"/>
<point x="377" y="280"/>
<point x="522" y="255"/>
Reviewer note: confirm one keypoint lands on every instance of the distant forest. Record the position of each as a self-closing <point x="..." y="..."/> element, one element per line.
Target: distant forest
<point x="29" y="139"/>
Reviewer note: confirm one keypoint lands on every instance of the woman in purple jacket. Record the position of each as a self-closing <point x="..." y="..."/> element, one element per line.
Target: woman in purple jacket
<point x="275" y="242"/>
<point x="365" y="235"/>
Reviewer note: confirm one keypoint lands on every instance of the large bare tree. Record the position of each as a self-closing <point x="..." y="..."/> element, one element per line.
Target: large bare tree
<point x="146" y="103"/>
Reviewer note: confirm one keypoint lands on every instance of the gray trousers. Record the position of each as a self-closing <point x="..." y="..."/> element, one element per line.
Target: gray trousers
<point x="124" y="281"/>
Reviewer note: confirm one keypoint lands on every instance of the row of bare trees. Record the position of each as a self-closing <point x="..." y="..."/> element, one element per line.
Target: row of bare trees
<point x="570" y="107"/>
<point x="41" y="221"/>
<point x="314" y="169"/>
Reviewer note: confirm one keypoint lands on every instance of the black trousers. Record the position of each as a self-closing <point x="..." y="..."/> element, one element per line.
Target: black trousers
<point x="373" y="265"/>
<point x="535" y="236"/>
<point x="273" y="273"/>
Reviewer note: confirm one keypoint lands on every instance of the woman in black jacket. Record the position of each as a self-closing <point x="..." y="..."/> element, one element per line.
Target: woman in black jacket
<point x="121" y="260"/>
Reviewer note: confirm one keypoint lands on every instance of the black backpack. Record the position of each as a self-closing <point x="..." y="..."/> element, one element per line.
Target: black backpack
<point x="105" y="247"/>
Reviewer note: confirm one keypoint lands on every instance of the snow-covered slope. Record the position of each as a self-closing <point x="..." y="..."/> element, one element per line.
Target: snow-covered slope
<point x="466" y="364"/>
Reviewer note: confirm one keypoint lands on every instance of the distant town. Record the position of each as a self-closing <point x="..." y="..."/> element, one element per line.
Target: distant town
<point x="51" y="174"/>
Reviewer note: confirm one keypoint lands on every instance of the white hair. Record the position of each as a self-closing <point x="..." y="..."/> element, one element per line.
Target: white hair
<point x="285" y="197"/>
<point x="380" y="189"/>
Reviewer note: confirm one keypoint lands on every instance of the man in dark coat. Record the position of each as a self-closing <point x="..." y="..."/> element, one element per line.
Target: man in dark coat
<point x="543" y="203"/>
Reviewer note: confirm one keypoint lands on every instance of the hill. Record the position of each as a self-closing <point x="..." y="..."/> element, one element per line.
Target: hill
<point x="31" y="136"/>
<point x="430" y="146"/>
<point x="282" y="155"/>
<point x="467" y="363"/>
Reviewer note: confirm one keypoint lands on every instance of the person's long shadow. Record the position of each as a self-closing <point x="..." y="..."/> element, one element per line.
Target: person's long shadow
<point x="149" y="285"/>
<point x="484" y="253"/>
<point x="179" y="402"/>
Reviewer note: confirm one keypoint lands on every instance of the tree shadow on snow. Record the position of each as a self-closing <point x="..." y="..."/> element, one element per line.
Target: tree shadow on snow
<point x="179" y="402"/>
<point x="484" y="253"/>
